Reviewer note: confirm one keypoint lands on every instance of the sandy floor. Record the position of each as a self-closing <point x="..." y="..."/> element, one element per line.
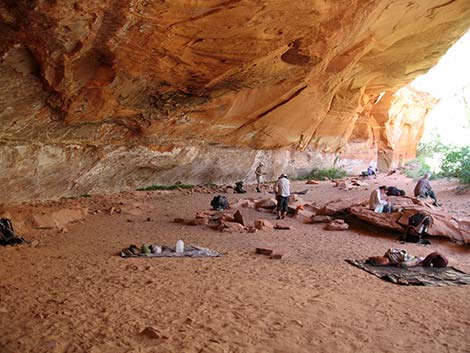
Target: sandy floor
<point x="71" y="293"/>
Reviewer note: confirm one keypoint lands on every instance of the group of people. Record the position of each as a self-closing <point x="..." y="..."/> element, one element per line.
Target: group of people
<point x="380" y="203"/>
<point x="281" y="190"/>
<point x="379" y="198"/>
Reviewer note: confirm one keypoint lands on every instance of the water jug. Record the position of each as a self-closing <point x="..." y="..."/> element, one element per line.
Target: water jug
<point x="179" y="246"/>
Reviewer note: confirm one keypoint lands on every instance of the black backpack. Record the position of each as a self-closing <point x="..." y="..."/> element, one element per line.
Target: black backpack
<point x="7" y="235"/>
<point x="239" y="188"/>
<point x="219" y="203"/>
<point x="393" y="191"/>
<point x="416" y="219"/>
<point x="413" y="233"/>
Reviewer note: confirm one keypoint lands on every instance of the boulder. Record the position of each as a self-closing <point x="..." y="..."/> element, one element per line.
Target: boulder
<point x="263" y="224"/>
<point x="227" y="218"/>
<point x="442" y="223"/>
<point x="269" y="203"/>
<point x="58" y="219"/>
<point x="339" y="206"/>
<point x="153" y="333"/>
<point x="263" y="251"/>
<point x="201" y="221"/>
<point x="321" y="219"/>
<point x="243" y="203"/>
<point x="231" y="227"/>
<point x="355" y="182"/>
<point x="381" y="220"/>
<point x="238" y="217"/>
<point x="205" y="214"/>
<point x="296" y="199"/>
<point x="337" y="224"/>
<point x="304" y="215"/>
<point x="282" y="226"/>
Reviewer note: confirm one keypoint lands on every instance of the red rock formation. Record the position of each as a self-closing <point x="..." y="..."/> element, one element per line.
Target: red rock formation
<point x="125" y="92"/>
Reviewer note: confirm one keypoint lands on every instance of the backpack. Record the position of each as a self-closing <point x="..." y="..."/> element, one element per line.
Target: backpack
<point x="219" y="203"/>
<point x="416" y="219"/>
<point x="239" y="188"/>
<point x="393" y="191"/>
<point x="417" y="225"/>
<point x="7" y="235"/>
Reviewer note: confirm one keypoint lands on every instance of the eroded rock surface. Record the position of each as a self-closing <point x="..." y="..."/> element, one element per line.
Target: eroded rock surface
<point x="105" y="95"/>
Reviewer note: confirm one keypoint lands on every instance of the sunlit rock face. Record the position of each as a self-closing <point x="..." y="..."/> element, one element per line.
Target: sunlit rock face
<point x="388" y="130"/>
<point x="105" y="95"/>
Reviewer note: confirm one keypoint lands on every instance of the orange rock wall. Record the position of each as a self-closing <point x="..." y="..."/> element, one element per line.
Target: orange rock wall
<point x="91" y="79"/>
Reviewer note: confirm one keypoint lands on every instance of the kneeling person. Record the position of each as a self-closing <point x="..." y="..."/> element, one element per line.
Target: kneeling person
<point x="379" y="201"/>
<point x="423" y="189"/>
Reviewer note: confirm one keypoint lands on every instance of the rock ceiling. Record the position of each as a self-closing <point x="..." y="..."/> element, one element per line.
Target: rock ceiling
<point x="264" y="75"/>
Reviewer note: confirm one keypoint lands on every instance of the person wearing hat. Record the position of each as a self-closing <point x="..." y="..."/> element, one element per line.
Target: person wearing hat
<point x="282" y="191"/>
<point x="259" y="176"/>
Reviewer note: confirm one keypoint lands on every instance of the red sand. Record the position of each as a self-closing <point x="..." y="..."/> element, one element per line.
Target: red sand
<point x="69" y="292"/>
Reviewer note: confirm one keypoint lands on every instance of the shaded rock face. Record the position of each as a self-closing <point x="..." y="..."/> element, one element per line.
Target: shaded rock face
<point x="100" y="95"/>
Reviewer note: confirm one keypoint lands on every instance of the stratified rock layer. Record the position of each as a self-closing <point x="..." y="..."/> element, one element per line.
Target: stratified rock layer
<point x="101" y="95"/>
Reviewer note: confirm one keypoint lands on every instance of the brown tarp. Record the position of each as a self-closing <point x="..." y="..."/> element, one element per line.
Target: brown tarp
<point x="417" y="276"/>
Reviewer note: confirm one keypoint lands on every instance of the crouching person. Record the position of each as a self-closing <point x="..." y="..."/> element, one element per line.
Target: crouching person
<point x="423" y="189"/>
<point x="378" y="201"/>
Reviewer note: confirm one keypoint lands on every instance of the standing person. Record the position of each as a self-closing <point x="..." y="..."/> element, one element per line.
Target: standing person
<point x="259" y="176"/>
<point x="282" y="191"/>
<point x="378" y="201"/>
<point x="423" y="189"/>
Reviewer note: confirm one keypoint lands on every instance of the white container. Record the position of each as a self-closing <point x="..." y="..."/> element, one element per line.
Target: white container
<point x="179" y="247"/>
<point x="156" y="249"/>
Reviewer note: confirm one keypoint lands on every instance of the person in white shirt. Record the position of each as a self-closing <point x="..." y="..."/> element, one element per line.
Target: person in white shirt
<point x="379" y="201"/>
<point x="259" y="176"/>
<point x="282" y="191"/>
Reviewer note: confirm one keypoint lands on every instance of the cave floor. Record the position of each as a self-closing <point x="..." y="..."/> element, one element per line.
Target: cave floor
<point x="70" y="292"/>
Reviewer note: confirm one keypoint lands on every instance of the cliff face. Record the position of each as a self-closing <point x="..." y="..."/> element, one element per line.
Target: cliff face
<point x="128" y="92"/>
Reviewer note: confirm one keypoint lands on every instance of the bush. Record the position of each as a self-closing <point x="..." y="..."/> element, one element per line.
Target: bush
<point x="166" y="187"/>
<point x="416" y="169"/>
<point x="322" y="174"/>
<point x="456" y="163"/>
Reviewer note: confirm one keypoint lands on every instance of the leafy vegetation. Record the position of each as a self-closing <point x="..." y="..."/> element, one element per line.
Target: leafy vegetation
<point x="416" y="168"/>
<point x="322" y="174"/>
<point x="456" y="163"/>
<point x="166" y="187"/>
<point x="453" y="161"/>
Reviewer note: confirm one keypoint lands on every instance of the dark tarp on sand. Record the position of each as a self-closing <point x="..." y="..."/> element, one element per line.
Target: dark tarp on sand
<point x="418" y="276"/>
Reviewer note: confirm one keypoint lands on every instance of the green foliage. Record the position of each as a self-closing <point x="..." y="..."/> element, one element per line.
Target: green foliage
<point x="166" y="187"/>
<point x="322" y="174"/>
<point x="456" y="163"/>
<point x="428" y="149"/>
<point x="416" y="168"/>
